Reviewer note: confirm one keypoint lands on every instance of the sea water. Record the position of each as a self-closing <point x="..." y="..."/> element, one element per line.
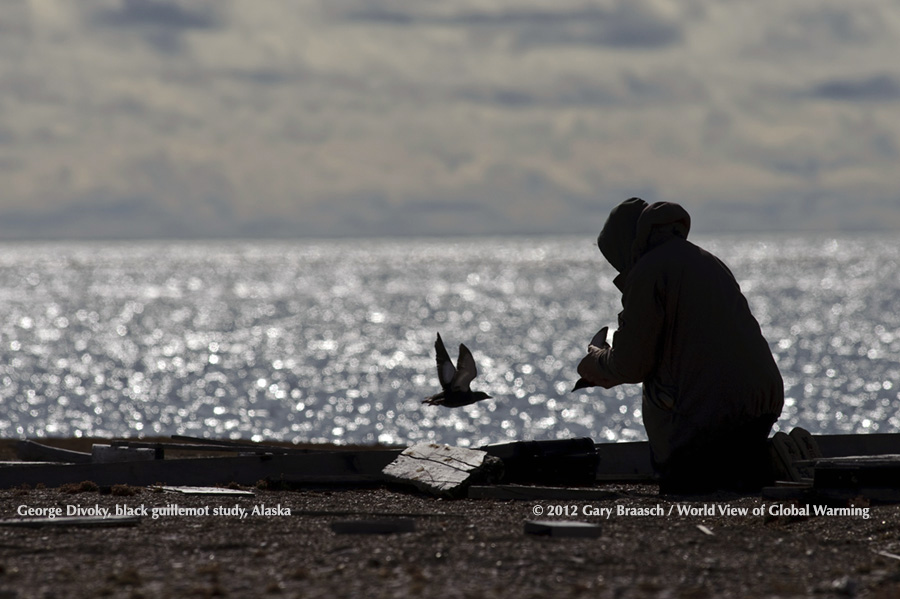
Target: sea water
<point x="333" y="341"/>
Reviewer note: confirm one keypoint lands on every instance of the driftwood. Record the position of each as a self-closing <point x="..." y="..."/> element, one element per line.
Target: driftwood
<point x="442" y="469"/>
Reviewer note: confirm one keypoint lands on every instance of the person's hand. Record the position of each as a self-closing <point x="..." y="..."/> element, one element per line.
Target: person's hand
<point x="589" y="367"/>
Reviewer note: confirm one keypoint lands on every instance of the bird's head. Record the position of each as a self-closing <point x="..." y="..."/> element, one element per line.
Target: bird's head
<point x="481" y="395"/>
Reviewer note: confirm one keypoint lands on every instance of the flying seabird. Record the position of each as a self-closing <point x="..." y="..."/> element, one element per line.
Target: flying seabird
<point x="455" y="381"/>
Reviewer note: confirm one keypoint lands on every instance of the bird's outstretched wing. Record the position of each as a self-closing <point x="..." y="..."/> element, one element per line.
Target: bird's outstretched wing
<point x="466" y="371"/>
<point x="446" y="370"/>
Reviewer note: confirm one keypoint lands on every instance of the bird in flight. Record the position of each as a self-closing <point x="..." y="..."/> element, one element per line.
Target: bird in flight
<point x="455" y="380"/>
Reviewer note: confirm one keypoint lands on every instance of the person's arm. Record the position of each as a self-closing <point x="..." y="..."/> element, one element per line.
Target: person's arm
<point x="637" y="343"/>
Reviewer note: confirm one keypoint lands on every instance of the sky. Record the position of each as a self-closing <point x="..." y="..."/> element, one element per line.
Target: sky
<point x="265" y="118"/>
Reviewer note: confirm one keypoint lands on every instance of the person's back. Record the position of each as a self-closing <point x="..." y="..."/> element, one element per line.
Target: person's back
<point x="712" y="389"/>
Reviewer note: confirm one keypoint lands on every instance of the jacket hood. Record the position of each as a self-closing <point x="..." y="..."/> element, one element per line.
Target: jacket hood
<point x="660" y="222"/>
<point x="616" y="240"/>
<point x="634" y="227"/>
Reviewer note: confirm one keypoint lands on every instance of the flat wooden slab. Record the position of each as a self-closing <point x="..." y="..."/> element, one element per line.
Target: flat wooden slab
<point x="528" y="493"/>
<point x="326" y="468"/>
<point x="441" y="469"/>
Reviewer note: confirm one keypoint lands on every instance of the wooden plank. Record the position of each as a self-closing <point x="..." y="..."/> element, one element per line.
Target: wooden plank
<point x="350" y="467"/>
<point x="852" y="472"/>
<point x="163" y="446"/>
<point x="32" y="451"/>
<point x="373" y="527"/>
<point x="531" y="493"/>
<point x="104" y="454"/>
<point x="562" y="528"/>
<point x="74" y="522"/>
<point x="630" y="461"/>
<point x="242" y="445"/>
<point x="442" y="469"/>
<point x="833" y="446"/>
<point x="840" y="497"/>
<point x="787" y="493"/>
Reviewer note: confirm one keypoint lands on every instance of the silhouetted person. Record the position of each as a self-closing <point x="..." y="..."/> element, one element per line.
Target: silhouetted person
<point x="711" y="389"/>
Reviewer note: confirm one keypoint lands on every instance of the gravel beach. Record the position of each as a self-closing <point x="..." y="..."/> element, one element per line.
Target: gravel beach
<point x="648" y="546"/>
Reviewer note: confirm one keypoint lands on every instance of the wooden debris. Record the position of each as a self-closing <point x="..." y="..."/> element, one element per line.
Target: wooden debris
<point x="788" y="491"/>
<point x="75" y="522"/>
<point x="373" y="527"/>
<point x="530" y="493"/>
<point x="442" y="469"/>
<point x="876" y="478"/>
<point x="216" y="491"/>
<point x="326" y="468"/>
<point x="555" y="528"/>
<point x="832" y="446"/>
<point x="107" y="454"/>
<point x="229" y="445"/>
<point x="31" y="451"/>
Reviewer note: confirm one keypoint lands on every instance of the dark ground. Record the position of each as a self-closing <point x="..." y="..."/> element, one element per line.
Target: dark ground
<point x="460" y="548"/>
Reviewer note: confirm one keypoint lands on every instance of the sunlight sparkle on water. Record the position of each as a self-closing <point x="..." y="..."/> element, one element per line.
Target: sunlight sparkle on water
<point x="331" y="341"/>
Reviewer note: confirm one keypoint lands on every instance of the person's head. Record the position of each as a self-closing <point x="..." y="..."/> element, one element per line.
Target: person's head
<point x="616" y="240"/>
<point x="634" y="227"/>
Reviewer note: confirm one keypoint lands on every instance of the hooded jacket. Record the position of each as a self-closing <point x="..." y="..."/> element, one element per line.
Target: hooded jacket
<point x="685" y="331"/>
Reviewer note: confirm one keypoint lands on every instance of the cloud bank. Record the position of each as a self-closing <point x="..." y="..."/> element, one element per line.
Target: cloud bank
<point x="199" y="118"/>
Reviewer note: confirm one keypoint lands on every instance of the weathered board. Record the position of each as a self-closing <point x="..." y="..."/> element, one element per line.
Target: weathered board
<point x="856" y="472"/>
<point x="331" y="468"/>
<point x="442" y="469"/>
<point x="533" y="493"/>
<point x="31" y="451"/>
<point x="106" y="454"/>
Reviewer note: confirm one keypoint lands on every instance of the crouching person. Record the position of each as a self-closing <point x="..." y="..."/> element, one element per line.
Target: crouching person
<point x="711" y="388"/>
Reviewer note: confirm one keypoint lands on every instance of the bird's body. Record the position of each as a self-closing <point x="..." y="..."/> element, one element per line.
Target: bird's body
<point x="455" y="381"/>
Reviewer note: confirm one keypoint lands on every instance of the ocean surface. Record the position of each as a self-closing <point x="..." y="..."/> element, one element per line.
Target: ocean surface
<point x="333" y="341"/>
